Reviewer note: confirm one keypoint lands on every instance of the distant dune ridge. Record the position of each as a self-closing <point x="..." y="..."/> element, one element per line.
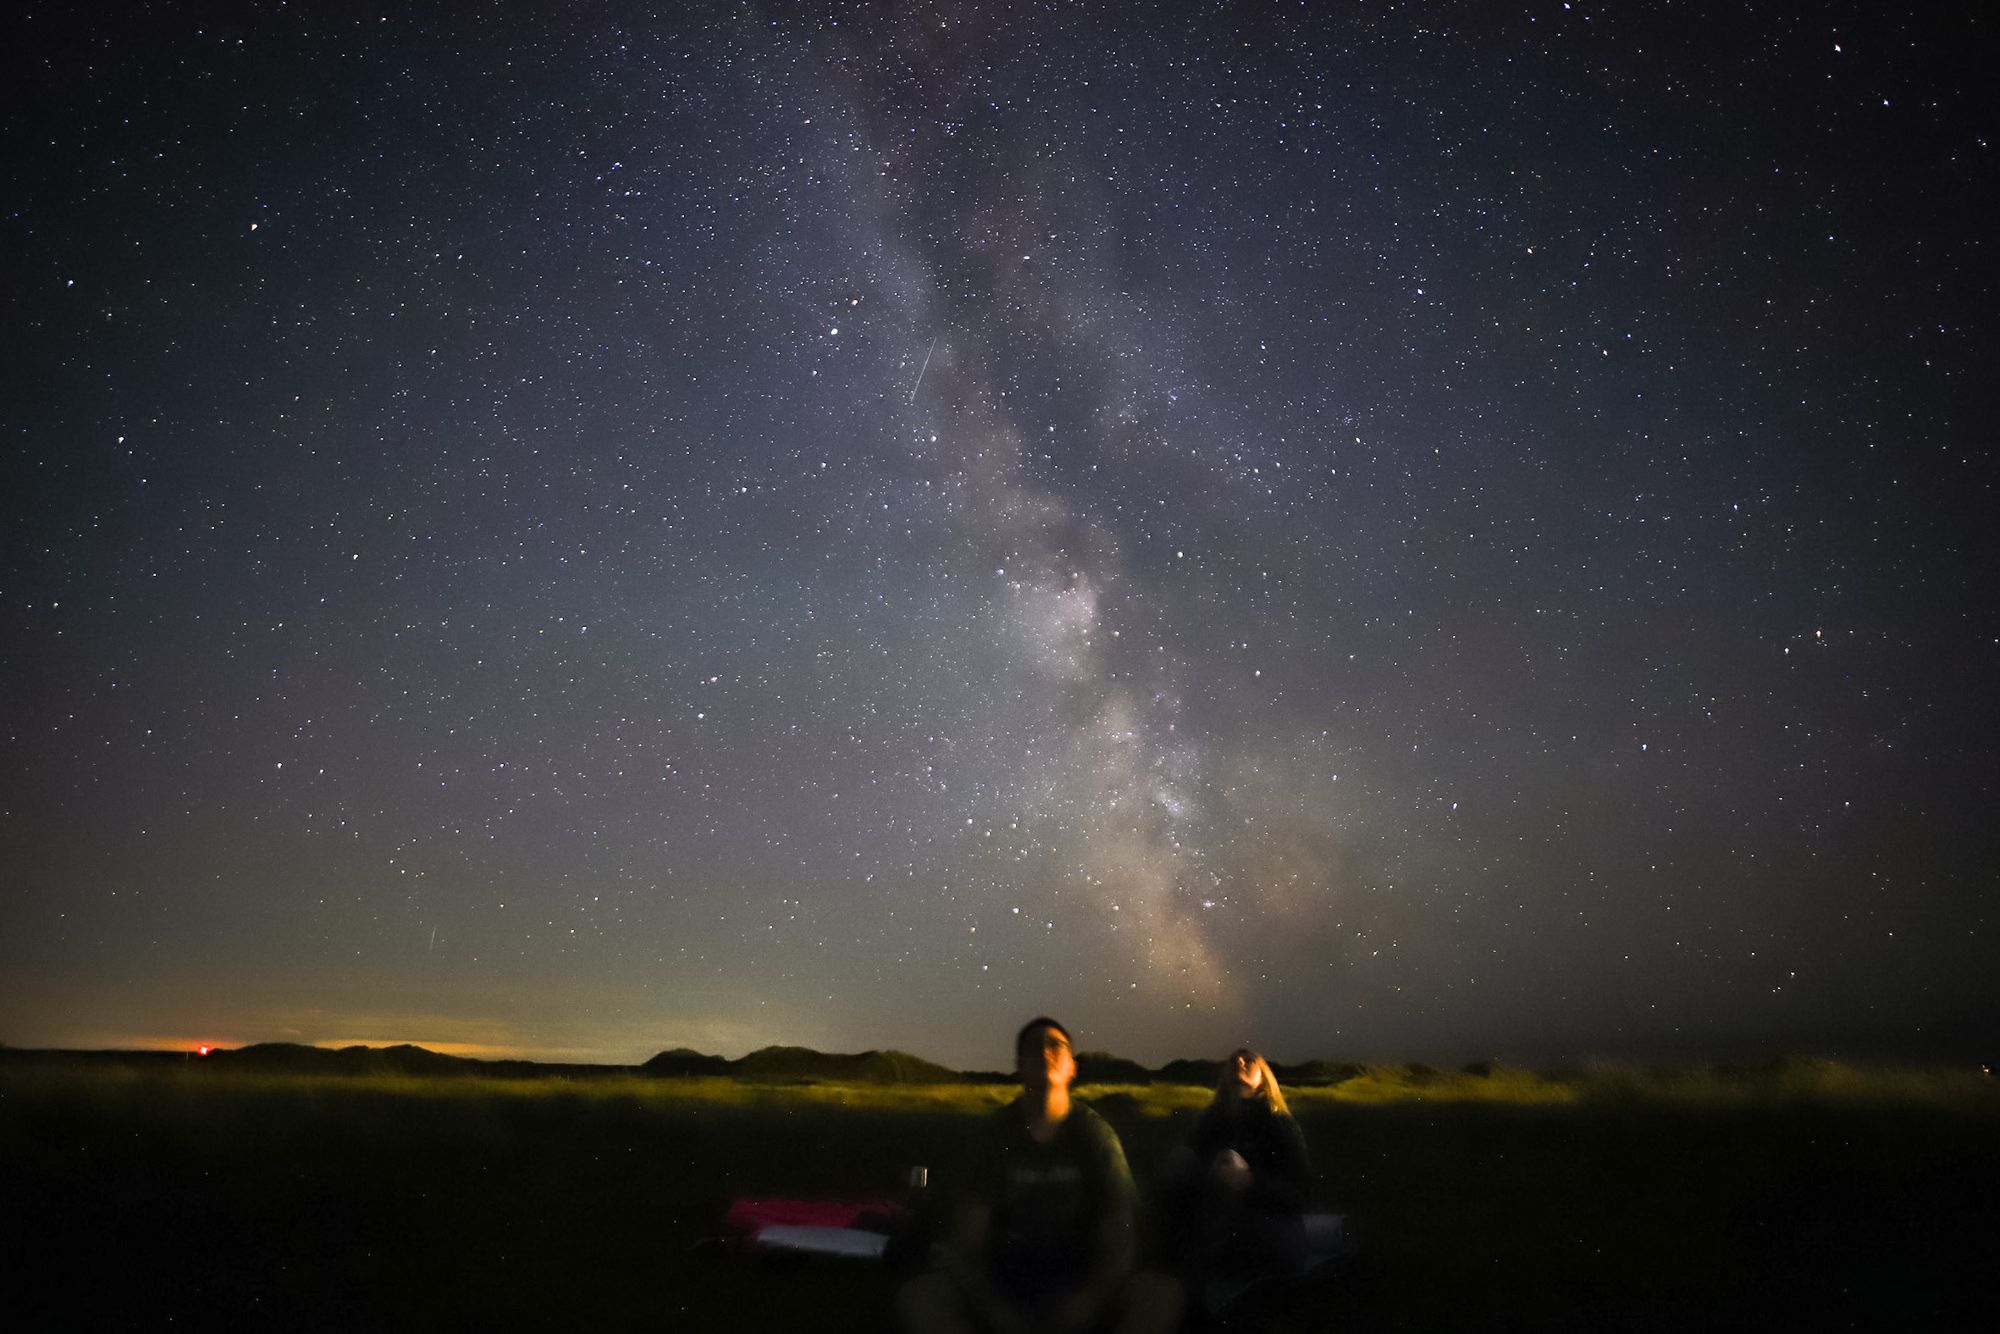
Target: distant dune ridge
<point x="1101" y="1067"/>
<point x="767" y="1065"/>
<point x="869" y="1067"/>
<point x="402" y="1059"/>
<point x="1099" y="1074"/>
<point x="685" y="1061"/>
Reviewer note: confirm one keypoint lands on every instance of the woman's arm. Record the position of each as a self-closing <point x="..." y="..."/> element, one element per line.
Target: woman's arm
<point x="1282" y="1172"/>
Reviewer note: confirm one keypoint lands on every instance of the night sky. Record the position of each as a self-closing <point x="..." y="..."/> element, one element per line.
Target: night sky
<point x="1378" y="531"/>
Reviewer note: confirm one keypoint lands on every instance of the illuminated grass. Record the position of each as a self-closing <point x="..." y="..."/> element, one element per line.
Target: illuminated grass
<point x="1786" y="1082"/>
<point x="1797" y="1080"/>
<point x="1396" y="1083"/>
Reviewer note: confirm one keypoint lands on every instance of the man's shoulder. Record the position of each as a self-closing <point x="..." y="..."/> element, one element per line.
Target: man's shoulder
<point x="1093" y="1140"/>
<point x="1087" y="1123"/>
<point x="1087" y="1115"/>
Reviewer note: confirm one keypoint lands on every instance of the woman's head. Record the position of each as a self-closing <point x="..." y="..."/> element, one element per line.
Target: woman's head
<point x="1247" y="1077"/>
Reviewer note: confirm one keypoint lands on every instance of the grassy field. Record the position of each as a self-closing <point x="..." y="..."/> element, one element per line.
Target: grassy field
<point x="161" y="1196"/>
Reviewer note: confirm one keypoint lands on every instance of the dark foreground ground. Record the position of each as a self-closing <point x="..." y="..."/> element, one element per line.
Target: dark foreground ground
<point x="148" y="1202"/>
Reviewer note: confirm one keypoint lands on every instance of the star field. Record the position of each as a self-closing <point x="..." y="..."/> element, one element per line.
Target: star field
<point x="1420" y="532"/>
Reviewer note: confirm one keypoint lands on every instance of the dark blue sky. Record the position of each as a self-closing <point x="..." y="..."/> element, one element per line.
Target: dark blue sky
<point x="1417" y="532"/>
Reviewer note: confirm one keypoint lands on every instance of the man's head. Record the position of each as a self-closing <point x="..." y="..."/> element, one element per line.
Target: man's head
<point x="1042" y="1055"/>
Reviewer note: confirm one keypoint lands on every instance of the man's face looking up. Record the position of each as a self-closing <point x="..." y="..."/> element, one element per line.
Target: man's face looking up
<point x="1045" y="1060"/>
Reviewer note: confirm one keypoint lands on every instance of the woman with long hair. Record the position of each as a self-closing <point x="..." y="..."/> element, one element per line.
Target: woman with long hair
<point x="1236" y="1192"/>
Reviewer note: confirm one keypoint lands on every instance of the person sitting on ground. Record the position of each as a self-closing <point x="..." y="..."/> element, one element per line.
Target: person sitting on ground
<point x="1045" y="1238"/>
<point x="1232" y="1207"/>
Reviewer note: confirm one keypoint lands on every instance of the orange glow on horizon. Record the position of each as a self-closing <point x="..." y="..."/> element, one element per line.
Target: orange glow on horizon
<point x="210" y="1046"/>
<point x="148" y="1042"/>
<point x="481" y="1046"/>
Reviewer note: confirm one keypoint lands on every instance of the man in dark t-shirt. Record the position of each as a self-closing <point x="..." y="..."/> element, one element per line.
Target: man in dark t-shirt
<point x="1045" y="1238"/>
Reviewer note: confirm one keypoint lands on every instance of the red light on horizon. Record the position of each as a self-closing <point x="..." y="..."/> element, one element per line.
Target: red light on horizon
<point x="203" y="1050"/>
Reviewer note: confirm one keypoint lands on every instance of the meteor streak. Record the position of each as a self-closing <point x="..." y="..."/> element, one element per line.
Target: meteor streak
<point x="920" y="373"/>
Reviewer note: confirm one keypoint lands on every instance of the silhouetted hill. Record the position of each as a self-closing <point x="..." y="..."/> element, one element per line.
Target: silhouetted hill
<point x="799" y="1064"/>
<point x="685" y="1061"/>
<point x="1101" y="1067"/>
<point x="297" y="1058"/>
<point x="1190" y="1072"/>
<point x="285" y="1056"/>
<point x="406" y="1059"/>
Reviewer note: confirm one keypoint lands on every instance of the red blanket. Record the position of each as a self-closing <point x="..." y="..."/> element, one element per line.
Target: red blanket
<point x="747" y="1217"/>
